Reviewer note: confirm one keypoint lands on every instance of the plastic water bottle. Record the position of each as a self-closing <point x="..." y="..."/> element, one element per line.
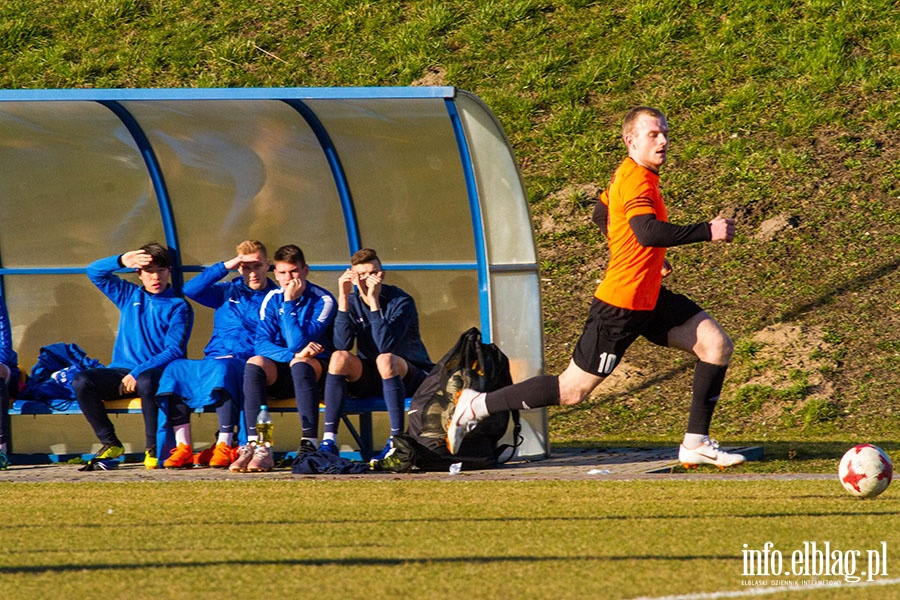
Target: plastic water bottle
<point x="264" y="426"/>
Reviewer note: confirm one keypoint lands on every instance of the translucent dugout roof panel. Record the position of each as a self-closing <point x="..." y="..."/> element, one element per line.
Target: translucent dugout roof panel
<point x="404" y="167"/>
<point x="425" y="175"/>
<point x="73" y="185"/>
<point x="237" y="169"/>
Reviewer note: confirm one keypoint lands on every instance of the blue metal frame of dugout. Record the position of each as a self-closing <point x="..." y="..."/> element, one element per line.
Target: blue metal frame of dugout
<point x="425" y="175"/>
<point x="112" y="99"/>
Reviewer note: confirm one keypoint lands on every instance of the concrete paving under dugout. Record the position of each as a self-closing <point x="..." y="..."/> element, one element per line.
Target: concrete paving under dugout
<point x="563" y="464"/>
<point x="58" y="437"/>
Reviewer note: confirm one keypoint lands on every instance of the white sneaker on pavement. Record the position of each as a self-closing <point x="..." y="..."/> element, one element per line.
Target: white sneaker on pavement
<point x="463" y="420"/>
<point x="708" y="453"/>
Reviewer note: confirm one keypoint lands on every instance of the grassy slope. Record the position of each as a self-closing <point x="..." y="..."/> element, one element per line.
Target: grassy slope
<point x="776" y="108"/>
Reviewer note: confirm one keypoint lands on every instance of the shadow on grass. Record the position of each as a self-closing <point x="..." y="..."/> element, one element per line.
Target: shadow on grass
<point x="778" y="457"/>
<point x="863" y="281"/>
<point x="812" y="450"/>
<point x="499" y="519"/>
<point x="799" y="450"/>
<point x="350" y="562"/>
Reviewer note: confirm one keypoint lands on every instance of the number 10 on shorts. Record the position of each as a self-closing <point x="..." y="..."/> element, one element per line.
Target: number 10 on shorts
<point x="607" y="363"/>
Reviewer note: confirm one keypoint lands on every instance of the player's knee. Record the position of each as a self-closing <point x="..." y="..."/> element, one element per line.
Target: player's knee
<point x="570" y="396"/>
<point x="340" y="361"/>
<point x="306" y="359"/>
<point x="386" y="364"/>
<point x="569" y="400"/>
<point x="727" y="349"/>
<point x="259" y="361"/>
<point x="718" y="350"/>
<point x="576" y="384"/>
<point x="147" y="382"/>
<point x="81" y="384"/>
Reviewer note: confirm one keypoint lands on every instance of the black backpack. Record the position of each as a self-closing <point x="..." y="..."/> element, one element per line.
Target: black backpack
<point x="469" y="364"/>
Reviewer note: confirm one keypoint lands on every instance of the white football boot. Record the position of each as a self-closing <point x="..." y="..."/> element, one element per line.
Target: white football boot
<point x="708" y="453"/>
<point x="463" y="420"/>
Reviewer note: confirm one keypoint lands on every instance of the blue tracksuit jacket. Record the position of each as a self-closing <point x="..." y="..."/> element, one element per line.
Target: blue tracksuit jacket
<point x="286" y="327"/>
<point x="237" y="310"/>
<point x="8" y="356"/>
<point x="153" y="328"/>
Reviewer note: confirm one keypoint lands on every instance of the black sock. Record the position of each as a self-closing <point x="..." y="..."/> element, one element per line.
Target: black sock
<point x="708" y="380"/>
<point x="306" y="393"/>
<point x="536" y="392"/>
<point x="394" y="397"/>
<point x="335" y="390"/>
<point x="227" y="412"/>
<point x="254" y="395"/>
<point x="178" y="412"/>
<point x="4" y="409"/>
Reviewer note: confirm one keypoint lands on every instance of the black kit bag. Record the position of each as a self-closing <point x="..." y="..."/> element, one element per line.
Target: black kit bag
<point x="469" y="364"/>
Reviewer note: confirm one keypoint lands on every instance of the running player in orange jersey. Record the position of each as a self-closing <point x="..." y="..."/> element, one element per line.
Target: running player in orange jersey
<point x="631" y="302"/>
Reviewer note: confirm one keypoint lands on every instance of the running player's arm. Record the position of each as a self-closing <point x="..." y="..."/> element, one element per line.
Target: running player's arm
<point x="651" y="232"/>
<point x="601" y="213"/>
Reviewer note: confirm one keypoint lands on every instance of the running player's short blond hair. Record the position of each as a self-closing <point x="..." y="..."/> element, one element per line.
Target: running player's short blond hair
<point x="632" y="115"/>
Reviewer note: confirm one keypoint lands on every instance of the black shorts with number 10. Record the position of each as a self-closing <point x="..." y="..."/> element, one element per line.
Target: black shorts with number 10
<point x="610" y="330"/>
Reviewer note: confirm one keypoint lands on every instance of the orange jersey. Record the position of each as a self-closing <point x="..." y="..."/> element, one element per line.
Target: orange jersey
<point x="634" y="273"/>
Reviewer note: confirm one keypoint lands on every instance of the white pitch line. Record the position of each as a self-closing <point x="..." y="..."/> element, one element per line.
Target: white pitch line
<point x="765" y="591"/>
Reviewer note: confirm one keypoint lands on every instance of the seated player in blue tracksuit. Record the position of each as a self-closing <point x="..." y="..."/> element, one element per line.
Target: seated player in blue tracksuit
<point x="293" y="344"/>
<point x="390" y="357"/>
<point x="154" y="327"/>
<point x="217" y="379"/>
<point x="9" y="380"/>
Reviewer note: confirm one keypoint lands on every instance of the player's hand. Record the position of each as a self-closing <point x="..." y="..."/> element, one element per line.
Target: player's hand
<point x="346" y="282"/>
<point x="293" y="289"/>
<point x="136" y="259"/>
<point x="311" y="349"/>
<point x="373" y="288"/>
<point x="234" y="263"/>
<point x="666" y="269"/>
<point x="722" y="229"/>
<point x="127" y="385"/>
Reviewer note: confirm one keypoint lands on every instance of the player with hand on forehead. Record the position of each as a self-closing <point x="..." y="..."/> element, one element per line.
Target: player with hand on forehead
<point x="154" y="327"/>
<point x="217" y="379"/>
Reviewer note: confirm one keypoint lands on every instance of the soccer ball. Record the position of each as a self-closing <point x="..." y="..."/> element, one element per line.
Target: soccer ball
<point x="865" y="471"/>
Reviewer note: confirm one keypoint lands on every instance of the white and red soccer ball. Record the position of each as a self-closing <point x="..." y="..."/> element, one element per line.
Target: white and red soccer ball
<point x="865" y="471"/>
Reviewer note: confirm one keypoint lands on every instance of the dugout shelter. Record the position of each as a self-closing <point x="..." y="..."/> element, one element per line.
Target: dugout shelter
<point x="425" y="175"/>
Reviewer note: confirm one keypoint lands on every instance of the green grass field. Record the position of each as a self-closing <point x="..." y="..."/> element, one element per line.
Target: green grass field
<point x="777" y="108"/>
<point x="435" y="539"/>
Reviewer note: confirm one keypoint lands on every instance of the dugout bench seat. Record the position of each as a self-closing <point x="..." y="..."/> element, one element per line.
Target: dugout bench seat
<point x="362" y="409"/>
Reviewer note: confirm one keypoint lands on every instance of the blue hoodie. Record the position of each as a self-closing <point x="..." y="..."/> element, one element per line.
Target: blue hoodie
<point x="8" y="356"/>
<point x="237" y="310"/>
<point x="153" y="328"/>
<point x="394" y="329"/>
<point x="286" y="327"/>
